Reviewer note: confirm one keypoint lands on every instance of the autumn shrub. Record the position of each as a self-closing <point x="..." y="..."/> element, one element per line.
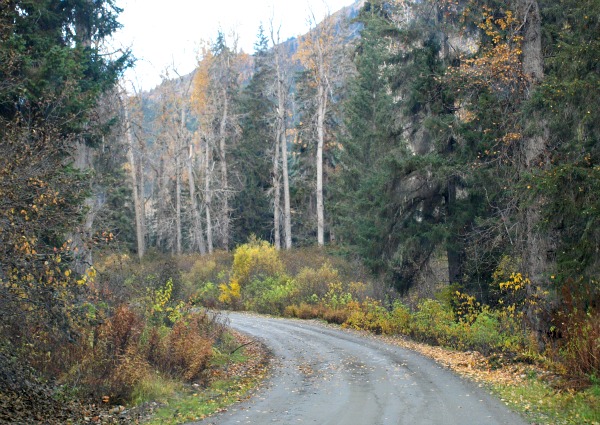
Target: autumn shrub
<point x="336" y="297"/>
<point x="372" y="316"/>
<point x="303" y="311"/>
<point x="121" y="331"/>
<point x="579" y="334"/>
<point x="581" y="349"/>
<point x="313" y="284"/>
<point x="348" y="269"/>
<point x="297" y="259"/>
<point x="433" y="323"/>
<point x="189" y="348"/>
<point x="165" y="308"/>
<point x="197" y="271"/>
<point x="128" y="350"/>
<point x="482" y="335"/>
<point x="400" y="318"/>
<point x="122" y="279"/>
<point x="207" y="295"/>
<point x="230" y="294"/>
<point x="130" y="370"/>
<point x="156" y="344"/>
<point x="338" y="316"/>
<point x="256" y="259"/>
<point x="202" y="271"/>
<point x="271" y="295"/>
<point x="114" y="363"/>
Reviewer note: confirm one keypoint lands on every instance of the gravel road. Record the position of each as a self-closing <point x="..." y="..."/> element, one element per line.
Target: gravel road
<point x="329" y="376"/>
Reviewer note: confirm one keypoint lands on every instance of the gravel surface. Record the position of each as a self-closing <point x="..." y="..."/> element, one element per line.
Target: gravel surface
<point x="332" y="376"/>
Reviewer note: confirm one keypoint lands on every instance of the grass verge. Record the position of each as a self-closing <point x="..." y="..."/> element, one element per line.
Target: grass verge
<point x="541" y="397"/>
<point x="540" y="403"/>
<point x="237" y="375"/>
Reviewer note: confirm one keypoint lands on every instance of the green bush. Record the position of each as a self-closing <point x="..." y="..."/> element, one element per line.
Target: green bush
<point x="400" y="318"/>
<point x="271" y="295"/>
<point x="484" y="335"/>
<point x="433" y="323"/>
<point x="206" y="295"/>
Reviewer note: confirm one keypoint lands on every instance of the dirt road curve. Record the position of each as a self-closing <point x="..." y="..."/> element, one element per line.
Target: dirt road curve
<point x="328" y="376"/>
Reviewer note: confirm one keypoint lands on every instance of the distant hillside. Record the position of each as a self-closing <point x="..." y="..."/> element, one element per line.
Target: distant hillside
<point x="291" y="47"/>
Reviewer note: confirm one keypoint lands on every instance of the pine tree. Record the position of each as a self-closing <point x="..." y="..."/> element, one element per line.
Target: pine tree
<point x="52" y="80"/>
<point x="252" y="156"/>
<point x="570" y="183"/>
<point x="370" y="135"/>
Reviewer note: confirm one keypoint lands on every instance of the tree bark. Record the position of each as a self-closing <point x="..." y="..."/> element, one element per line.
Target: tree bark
<point x="197" y="231"/>
<point x="280" y="137"/>
<point x="137" y="201"/>
<point x="224" y="180"/>
<point x="321" y="111"/>
<point x="276" y="195"/>
<point x="537" y="243"/>
<point x="178" y="233"/>
<point x="208" y="194"/>
<point x="83" y="162"/>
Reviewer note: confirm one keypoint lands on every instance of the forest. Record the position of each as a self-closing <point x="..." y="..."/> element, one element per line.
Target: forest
<point x="424" y="168"/>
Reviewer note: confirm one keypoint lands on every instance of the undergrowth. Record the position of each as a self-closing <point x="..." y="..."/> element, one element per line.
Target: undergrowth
<point x="305" y="284"/>
<point x="164" y="337"/>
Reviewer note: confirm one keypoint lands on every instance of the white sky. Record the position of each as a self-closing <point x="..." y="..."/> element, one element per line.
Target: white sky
<point x="166" y="33"/>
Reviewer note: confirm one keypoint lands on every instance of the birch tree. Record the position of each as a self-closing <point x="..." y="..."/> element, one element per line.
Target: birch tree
<point x="201" y="100"/>
<point x="282" y="85"/>
<point x="215" y="86"/>
<point x="319" y="52"/>
<point x="136" y="175"/>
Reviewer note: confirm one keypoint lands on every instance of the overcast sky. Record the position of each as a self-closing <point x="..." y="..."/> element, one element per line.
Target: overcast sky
<point x="167" y="33"/>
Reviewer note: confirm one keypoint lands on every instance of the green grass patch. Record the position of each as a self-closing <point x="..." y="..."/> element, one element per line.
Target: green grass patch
<point x="540" y="403"/>
<point x="154" y="387"/>
<point x="193" y="403"/>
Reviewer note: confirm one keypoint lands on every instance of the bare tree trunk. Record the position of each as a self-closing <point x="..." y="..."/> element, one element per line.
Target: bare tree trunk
<point x="137" y="201"/>
<point x="319" y="53"/>
<point x="82" y="235"/>
<point x="197" y="232"/>
<point x="178" y="202"/>
<point x="142" y="198"/>
<point x="83" y="162"/>
<point x="179" y="143"/>
<point x="208" y="195"/>
<point x="276" y="196"/>
<point x="224" y="181"/>
<point x="321" y="110"/>
<point x="537" y="244"/>
<point x="287" y="215"/>
<point x="282" y="141"/>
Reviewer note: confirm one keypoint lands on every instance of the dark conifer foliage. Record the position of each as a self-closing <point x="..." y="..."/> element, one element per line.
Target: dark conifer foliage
<point x="53" y="75"/>
<point x="252" y="202"/>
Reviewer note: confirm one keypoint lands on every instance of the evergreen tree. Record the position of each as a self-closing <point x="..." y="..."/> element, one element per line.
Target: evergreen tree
<point x="370" y="134"/>
<point x="571" y="182"/>
<point x="52" y="72"/>
<point x="400" y="126"/>
<point x="252" y="156"/>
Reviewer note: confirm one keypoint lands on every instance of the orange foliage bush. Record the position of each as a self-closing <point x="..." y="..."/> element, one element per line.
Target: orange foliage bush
<point x="578" y="335"/>
<point x="115" y="363"/>
<point x="121" y="331"/>
<point x="337" y="316"/>
<point x="189" y="348"/>
<point x="303" y="311"/>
